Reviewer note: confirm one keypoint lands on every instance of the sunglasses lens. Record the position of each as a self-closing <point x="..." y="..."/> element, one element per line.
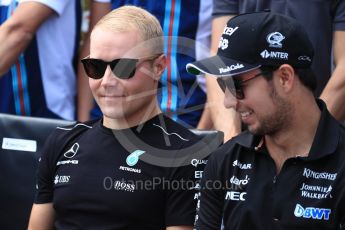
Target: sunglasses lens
<point x="221" y="84"/>
<point x="238" y="91"/>
<point x="232" y="85"/>
<point x="94" y="68"/>
<point x="124" y="68"/>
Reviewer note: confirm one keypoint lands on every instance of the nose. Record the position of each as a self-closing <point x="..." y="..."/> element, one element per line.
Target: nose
<point x="108" y="78"/>
<point x="230" y="100"/>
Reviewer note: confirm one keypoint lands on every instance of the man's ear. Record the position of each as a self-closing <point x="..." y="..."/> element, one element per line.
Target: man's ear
<point x="286" y="77"/>
<point x="159" y="66"/>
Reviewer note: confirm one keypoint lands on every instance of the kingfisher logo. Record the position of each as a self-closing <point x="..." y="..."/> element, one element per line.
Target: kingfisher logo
<point x="133" y="158"/>
<point x="308" y="173"/>
<point x="311" y="212"/>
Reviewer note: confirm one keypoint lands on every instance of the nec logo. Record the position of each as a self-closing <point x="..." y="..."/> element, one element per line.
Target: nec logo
<point x="233" y="195"/>
<point x="311" y="212"/>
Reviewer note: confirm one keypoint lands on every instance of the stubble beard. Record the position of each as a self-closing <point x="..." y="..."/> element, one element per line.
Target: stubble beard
<point x="277" y="120"/>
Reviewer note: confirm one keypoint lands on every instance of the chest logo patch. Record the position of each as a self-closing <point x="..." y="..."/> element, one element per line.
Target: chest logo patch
<point x="61" y="179"/>
<point x="133" y="158"/>
<point x="311" y="212"/>
<point x="72" y="151"/>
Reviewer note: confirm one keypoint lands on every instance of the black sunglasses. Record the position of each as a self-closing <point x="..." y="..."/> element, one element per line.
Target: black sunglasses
<point x="234" y="85"/>
<point x="123" y="68"/>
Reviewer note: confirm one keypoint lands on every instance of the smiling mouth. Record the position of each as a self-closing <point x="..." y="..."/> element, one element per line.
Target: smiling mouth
<point x="246" y="114"/>
<point x="112" y="96"/>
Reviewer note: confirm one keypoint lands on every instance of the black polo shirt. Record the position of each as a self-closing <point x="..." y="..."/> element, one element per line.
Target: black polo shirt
<point x="241" y="188"/>
<point x="137" y="178"/>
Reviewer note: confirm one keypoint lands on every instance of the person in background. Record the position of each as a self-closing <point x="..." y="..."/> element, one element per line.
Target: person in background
<point x="132" y="168"/>
<point x="287" y="170"/>
<point x="324" y="22"/>
<point x="186" y="27"/>
<point x="39" y="41"/>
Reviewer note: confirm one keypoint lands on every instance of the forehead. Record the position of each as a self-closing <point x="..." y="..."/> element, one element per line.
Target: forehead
<point x="107" y="42"/>
<point x="246" y="75"/>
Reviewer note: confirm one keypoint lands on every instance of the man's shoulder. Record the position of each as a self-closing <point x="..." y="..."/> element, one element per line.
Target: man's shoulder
<point x="172" y="129"/>
<point x="64" y="138"/>
<point x="58" y="7"/>
<point x="65" y="133"/>
<point x="342" y="133"/>
<point x="233" y="147"/>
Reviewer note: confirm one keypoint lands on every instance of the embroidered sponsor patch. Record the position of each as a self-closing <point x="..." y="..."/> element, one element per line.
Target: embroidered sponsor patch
<point x="312" y="212"/>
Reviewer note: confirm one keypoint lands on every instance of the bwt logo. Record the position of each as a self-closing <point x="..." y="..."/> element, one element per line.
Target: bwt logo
<point x="311" y="212"/>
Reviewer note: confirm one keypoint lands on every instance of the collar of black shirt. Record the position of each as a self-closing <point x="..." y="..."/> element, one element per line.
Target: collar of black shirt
<point x="325" y="141"/>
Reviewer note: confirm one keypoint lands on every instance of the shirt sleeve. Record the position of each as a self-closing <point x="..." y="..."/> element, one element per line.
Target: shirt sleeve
<point x="225" y="7"/>
<point x="210" y="208"/>
<point x="339" y="18"/>
<point x="45" y="177"/>
<point x="57" y="6"/>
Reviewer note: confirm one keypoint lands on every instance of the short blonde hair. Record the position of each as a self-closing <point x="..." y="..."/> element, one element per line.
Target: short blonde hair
<point x="128" y="18"/>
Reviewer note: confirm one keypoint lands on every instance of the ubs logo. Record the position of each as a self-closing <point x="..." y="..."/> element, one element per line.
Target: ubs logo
<point x="61" y="179"/>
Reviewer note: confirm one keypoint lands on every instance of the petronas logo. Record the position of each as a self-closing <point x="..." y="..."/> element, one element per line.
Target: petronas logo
<point x="133" y="158"/>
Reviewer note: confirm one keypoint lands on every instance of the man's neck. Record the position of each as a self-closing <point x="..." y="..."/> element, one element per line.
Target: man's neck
<point x="296" y="139"/>
<point x="134" y="119"/>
